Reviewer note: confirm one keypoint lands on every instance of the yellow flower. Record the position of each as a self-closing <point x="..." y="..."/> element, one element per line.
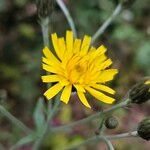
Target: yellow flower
<point x="147" y="82"/>
<point x="79" y="65"/>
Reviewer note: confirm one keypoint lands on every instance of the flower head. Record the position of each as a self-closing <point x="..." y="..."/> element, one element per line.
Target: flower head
<point x="144" y="129"/>
<point x="77" y="65"/>
<point x="140" y="92"/>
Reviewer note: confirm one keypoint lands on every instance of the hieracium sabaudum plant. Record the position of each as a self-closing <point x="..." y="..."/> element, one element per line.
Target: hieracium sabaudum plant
<point x="75" y="63"/>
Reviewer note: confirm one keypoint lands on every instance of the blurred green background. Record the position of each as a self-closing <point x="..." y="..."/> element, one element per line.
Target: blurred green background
<point x="21" y="43"/>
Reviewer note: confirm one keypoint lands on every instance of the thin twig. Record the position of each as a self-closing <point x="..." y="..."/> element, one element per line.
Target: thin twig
<point x="109" y="144"/>
<point x="104" y="26"/>
<point x="68" y="16"/>
<point x="45" y="31"/>
<point x="14" y="120"/>
<point x="98" y="138"/>
<point x="90" y="118"/>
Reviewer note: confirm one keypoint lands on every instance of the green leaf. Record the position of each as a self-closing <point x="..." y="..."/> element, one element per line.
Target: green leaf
<point x="39" y="116"/>
<point x="23" y="141"/>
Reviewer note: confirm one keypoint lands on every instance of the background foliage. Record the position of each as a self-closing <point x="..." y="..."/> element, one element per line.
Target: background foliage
<point x="128" y="42"/>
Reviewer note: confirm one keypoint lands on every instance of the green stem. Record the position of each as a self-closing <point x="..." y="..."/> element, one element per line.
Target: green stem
<point x="14" y="120"/>
<point x="109" y="137"/>
<point x="68" y="16"/>
<point x="45" y="31"/>
<point x="104" y="26"/>
<point x="90" y="118"/>
<point x="109" y="144"/>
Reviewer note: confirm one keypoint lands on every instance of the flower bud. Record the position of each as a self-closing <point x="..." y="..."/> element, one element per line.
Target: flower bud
<point x="140" y="92"/>
<point x="144" y="129"/>
<point x="44" y="8"/>
<point x="111" y="122"/>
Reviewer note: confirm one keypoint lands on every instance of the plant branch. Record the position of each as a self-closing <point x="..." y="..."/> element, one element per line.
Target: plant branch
<point x="68" y="16"/>
<point x="109" y="137"/>
<point x="90" y="118"/>
<point x="45" y="33"/>
<point x="104" y="26"/>
<point x="45" y="30"/>
<point x="109" y="144"/>
<point x="14" y="120"/>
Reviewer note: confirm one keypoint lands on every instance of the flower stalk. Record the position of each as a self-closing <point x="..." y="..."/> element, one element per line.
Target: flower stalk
<point x="104" y="26"/>
<point x="68" y="16"/>
<point x="103" y="138"/>
<point x="90" y="118"/>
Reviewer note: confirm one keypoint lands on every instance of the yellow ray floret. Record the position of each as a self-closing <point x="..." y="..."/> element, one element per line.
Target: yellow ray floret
<point x="77" y="64"/>
<point x="147" y="82"/>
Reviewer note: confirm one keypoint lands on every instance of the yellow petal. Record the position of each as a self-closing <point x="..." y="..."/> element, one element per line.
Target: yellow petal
<point x="83" y="99"/>
<point x="55" y="45"/>
<point x="101" y="50"/>
<point x="95" y="57"/>
<point x="52" y="69"/>
<point x="62" y="47"/>
<point x="85" y="44"/>
<point x="104" y="88"/>
<point x="105" y="64"/>
<point x="50" y="62"/>
<point x="69" y="40"/>
<point x="100" y="96"/>
<point x="48" y="54"/>
<point x="65" y="96"/>
<point x="77" y="45"/>
<point x="79" y="88"/>
<point x="147" y="82"/>
<point x="50" y="78"/>
<point x="51" y="92"/>
<point x="107" y="75"/>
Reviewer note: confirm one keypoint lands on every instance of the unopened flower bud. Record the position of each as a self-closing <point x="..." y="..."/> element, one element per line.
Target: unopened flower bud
<point x="144" y="129"/>
<point x="140" y="92"/>
<point x="44" y="8"/>
<point x="111" y="122"/>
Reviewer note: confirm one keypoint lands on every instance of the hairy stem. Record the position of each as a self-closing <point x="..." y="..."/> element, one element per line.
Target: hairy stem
<point x="90" y="118"/>
<point x="14" y="120"/>
<point x="109" y="144"/>
<point x="104" y="26"/>
<point x="68" y="16"/>
<point x="98" y="138"/>
<point x="45" y="31"/>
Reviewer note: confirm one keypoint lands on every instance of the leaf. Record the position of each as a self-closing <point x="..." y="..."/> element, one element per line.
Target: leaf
<point x="23" y="141"/>
<point x="39" y="116"/>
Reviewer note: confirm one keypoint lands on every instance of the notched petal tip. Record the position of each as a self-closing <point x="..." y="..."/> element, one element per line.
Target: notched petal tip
<point x="64" y="101"/>
<point x="69" y="31"/>
<point x="45" y="49"/>
<point x="83" y="99"/>
<point x="45" y="94"/>
<point x="102" y="49"/>
<point x="112" y="101"/>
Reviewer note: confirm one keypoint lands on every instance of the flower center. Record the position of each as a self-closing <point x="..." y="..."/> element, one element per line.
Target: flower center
<point x="76" y="69"/>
